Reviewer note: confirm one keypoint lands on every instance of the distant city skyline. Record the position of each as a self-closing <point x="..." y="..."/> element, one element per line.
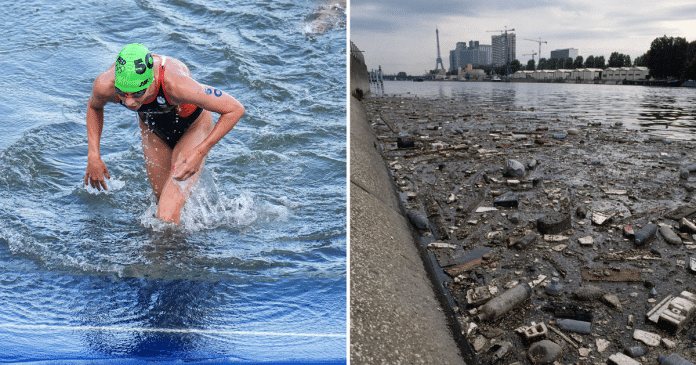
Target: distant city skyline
<point x="400" y="35"/>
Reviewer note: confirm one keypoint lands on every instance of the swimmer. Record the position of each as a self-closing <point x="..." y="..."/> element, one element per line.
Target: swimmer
<point x="174" y="113"/>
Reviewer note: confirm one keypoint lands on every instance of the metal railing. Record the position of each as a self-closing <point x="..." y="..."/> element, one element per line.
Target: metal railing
<point x="355" y="52"/>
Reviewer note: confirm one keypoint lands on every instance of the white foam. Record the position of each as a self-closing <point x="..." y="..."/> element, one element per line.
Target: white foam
<point x="112" y="185"/>
<point x="206" y="209"/>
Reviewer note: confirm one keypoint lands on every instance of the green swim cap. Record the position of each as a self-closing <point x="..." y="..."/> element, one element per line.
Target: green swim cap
<point x="134" y="68"/>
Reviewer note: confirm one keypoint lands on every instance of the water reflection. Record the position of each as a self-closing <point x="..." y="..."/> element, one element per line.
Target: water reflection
<point x="665" y="111"/>
<point x="150" y="313"/>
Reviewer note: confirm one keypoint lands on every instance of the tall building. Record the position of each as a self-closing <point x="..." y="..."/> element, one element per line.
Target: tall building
<point x="500" y="45"/>
<point x="565" y="53"/>
<point x="475" y="54"/>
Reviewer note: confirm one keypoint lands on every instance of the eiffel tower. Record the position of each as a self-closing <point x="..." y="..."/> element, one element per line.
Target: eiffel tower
<point x="438" y="61"/>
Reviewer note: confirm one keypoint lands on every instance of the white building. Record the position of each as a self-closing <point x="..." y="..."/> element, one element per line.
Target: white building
<point x="543" y="74"/>
<point x="625" y="73"/>
<point x="587" y="74"/>
<point x="523" y="74"/>
<point x="562" y="74"/>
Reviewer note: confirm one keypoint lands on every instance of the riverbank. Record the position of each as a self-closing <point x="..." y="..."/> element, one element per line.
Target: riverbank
<point x="563" y="216"/>
<point x="658" y="83"/>
<point x="395" y="314"/>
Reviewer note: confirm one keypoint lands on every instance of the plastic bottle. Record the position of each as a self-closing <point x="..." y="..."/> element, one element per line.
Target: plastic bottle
<point x="634" y="351"/>
<point x="554" y="287"/>
<point x="503" y="303"/>
<point x="673" y="359"/>
<point x="645" y="234"/>
<point x="574" y="326"/>
<point x="525" y="241"/>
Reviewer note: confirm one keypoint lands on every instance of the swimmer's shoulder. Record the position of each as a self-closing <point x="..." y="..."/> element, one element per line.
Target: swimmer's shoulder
<point x="103" y="87"/>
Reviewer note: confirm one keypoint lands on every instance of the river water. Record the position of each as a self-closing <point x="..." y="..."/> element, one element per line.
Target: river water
<point x="257" y="271"/>
<point x="666" y="111"/>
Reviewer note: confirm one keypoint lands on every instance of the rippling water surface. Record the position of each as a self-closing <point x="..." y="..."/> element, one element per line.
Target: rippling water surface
<point x="668" y="111"/>
<point x="256" y="273"/>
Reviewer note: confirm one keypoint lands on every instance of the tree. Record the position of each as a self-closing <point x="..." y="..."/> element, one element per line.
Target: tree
<point x="578" y="62"/>
<point x="667" y="57"/>
<point x="515" y="66"/>
<point x="616" y="59"/>
<point x="530" y="65"/>
<point x="627" y="61"/>
<point x="567" y="63"/>
<point x="689" y="72"/>
<point x="599" y="62"/>
<point x="590" y="62"/>
<point x="543" y="63"/>
<point x="560" y="63"/>
<point x="640" y="61"/>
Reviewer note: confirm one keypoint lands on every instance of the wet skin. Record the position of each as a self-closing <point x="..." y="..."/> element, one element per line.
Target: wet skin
<point x="167" y="168"/>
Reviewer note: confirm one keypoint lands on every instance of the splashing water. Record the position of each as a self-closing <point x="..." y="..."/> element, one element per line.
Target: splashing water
<point x="257" y="270"/>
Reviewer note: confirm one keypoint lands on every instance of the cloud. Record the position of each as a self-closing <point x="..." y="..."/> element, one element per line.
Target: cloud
<point x="406" y="28"/>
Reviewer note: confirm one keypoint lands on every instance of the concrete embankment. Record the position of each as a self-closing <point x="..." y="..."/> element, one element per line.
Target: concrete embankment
<point x="395" y="315"/>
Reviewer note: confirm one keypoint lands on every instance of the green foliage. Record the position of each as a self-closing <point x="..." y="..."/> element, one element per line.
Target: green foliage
<point x="578" y="62"/>
<point x="590" y="62"/>
<point x="530" y="65"/>
<point x="616" y="59"/>
<point x="640" y="61"/>
<point x="667" y="57"/>
<point x="568" y="63"/>
<point x="599" y="62"/>
<point x="689" y="72"/>
<point x="515" y="66"/>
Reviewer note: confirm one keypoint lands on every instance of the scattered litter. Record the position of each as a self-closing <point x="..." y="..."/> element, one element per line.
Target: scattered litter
<point x="611" y="274"/>
<point x="586" y="241"/>
<point x="473" y="178"/>
<point x="648" y="338"/>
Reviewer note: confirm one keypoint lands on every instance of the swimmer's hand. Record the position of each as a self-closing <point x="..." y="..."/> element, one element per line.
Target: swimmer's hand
<point x="188" y="163"/>
<point x="96" y="171"/>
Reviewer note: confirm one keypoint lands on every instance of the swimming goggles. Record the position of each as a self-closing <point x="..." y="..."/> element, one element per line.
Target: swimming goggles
<point x="136" y="94"/>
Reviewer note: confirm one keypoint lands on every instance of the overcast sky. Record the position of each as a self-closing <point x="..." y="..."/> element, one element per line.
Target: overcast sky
<point x="399" y="35"/>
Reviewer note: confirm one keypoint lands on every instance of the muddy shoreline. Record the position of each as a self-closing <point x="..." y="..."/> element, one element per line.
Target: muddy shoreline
<point x="488" y="227"/>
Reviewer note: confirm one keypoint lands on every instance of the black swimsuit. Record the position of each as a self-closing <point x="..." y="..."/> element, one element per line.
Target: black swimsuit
<point x="168" y="121"/>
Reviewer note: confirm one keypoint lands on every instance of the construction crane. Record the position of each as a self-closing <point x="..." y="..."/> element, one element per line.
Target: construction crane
<point x="507" y="50"/>
<point x="538" y="41"/>
<point x="530" y="54"/>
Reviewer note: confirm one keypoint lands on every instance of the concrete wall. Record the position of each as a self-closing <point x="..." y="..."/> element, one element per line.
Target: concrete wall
<point x="395" y="315"/>
<point x="359" y="77"/>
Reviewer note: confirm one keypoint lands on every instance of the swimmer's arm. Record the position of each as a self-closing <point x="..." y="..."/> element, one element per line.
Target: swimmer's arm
<point x="102" y="93"/>
<point x="96" y="169"/>
<point x="95" y="124"/>
<point x="188" y="91"/>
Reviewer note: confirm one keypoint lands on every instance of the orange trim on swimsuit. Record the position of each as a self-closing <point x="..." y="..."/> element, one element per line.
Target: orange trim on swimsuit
<point x="183" y="110"/>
